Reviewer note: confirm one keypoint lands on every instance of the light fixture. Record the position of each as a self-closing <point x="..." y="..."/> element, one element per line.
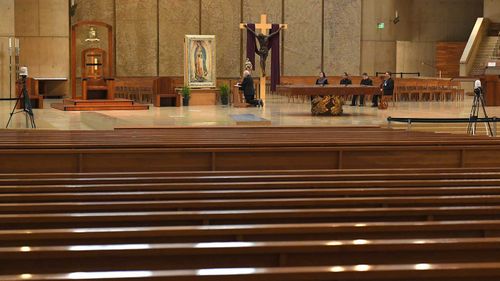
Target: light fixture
<point x="396" y="18"/>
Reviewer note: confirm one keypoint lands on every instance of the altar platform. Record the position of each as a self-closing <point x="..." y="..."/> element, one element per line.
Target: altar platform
<point x="278" y="110"/>
<point x="98" y="105"/>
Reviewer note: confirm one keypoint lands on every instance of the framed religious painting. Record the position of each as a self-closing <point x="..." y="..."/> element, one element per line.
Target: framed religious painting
<point x="200" y="61"/>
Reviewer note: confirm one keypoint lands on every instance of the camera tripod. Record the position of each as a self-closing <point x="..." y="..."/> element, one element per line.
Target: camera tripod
<point x="24" y="99"/>
<point x="478" y="104"/>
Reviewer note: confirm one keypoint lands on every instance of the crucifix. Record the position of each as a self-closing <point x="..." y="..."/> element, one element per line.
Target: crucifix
<point x="263" y="37"/>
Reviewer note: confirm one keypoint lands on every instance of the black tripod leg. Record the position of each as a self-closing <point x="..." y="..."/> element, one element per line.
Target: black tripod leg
<point x="32" y="120"/>
<point x="13" y="111"/>
<point x="471" y="128"/>
<point x="488" y="124"/>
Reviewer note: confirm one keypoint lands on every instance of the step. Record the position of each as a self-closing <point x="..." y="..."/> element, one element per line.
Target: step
<point x="68" y="107"/>
<point x="98" y="102"/>
<point x="98" y="105"/>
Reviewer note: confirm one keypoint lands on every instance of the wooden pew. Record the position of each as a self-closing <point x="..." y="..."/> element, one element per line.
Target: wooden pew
<point x="234" y="217"/>
<point x="361" y="193"/>
<point x="250" y="204"/>
<point x="157" y="208"/>
<point x="90" y="176"/>
<point x="413" y="272"/>
<point x="139" y="89"/>
<point x="78" y="258"/>
<point x="261" y="183"/>
<point x="250" y="233"/>
<point x="204" y="149"/>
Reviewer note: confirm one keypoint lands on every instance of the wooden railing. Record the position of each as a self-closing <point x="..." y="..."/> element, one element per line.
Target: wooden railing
<point x="477" y="35"/>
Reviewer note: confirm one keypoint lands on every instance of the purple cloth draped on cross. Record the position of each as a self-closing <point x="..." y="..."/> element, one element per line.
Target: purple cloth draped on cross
<point x="274" y="46"/>
<point x="251" y="44"/>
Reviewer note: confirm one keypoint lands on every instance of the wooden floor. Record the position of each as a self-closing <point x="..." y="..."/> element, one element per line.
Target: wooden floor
<point x="249" y="204"/>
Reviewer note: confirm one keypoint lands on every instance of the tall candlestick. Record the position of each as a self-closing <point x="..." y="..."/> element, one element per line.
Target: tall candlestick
<point x="10" y="46"/>
<point x="17" y="45"/>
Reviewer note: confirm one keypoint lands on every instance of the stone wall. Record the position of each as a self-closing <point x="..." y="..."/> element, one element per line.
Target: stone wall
<point x="333" y="35"/>
<point x="492" y="10"/>
<point x="149" y="33"/>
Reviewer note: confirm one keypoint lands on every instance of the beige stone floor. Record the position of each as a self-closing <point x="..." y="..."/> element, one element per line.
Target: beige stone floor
<point x="278" y="110"/>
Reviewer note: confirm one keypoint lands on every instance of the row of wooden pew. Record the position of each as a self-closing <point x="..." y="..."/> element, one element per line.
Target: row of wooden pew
<point x="301" y="225"/>
<point x="240" y="148"/>
<point x="429" y="90"/>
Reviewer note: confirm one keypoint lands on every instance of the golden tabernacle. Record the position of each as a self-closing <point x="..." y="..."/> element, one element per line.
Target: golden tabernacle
<point x="328" y="99"/>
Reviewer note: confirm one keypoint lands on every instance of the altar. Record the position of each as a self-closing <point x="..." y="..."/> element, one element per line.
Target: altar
<point x="327" y="100"/>
<point x="201" y="96"/>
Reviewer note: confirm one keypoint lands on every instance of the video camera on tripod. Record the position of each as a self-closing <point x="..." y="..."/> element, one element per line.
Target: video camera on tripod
<point x="24" y="100"/>
<point x="477" y="104"/>
<point x="478" y="89"/>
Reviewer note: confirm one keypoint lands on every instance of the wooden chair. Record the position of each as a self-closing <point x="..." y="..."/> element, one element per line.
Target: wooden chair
<point x="458" y="92"/>
<point x="446" y="90"/>
<point x="403" y="90"/>
<point x="427" y="90"/>
<point x="164" y="93"/>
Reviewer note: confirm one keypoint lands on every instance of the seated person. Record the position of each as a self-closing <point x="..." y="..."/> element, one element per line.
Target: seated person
<point x="248" y="89"/>
<point x="366" y="81"/>
<point x="387" y="90"/>
<point x="346" y="80"/>
<point x="322" y="80"/>
<point x="388" y="86"/>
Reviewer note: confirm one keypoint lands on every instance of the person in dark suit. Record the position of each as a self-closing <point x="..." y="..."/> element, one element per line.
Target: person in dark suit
<point x="386" y="88"/>
<point x="322" y="80"/>
<point x="248" y="89"/>
<point x="346" y="80"/>
<point x="366" y="81"/>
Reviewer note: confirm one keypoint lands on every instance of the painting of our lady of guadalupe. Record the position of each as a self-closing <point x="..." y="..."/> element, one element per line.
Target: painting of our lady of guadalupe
<point x="199" y="69"/>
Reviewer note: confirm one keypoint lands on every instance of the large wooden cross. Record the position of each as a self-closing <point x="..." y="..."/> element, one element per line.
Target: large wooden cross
<point x="264" y="27"/>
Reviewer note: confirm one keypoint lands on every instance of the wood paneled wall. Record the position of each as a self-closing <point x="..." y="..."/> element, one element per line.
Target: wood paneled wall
<point x="448" y="56"/>
<point x="42" y="27"/>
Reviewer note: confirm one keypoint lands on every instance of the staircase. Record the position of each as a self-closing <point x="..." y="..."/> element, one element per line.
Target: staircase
<point x="484" y="55"/>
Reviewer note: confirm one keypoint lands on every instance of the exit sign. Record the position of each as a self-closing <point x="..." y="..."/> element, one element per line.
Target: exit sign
<point x="381" y="25"/>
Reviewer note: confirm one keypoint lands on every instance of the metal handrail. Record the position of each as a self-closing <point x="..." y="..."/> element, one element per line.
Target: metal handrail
<point x="440" y="120"/>
<point x="410" y="121"/>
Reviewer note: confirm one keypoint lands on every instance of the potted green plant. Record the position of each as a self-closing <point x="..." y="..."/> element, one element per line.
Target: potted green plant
<point x="186" y="95"/>
<point x="224" y="94"/>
